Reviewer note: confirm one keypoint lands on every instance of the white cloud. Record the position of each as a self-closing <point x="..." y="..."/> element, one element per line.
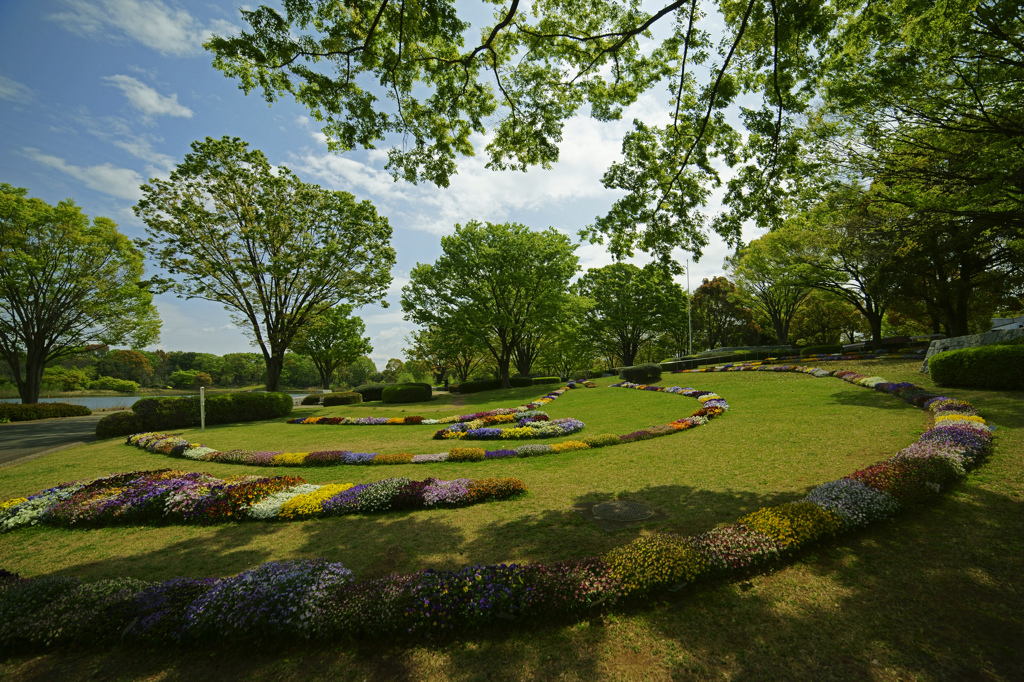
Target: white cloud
<point x="146" y="99"/>
<point x="167" y="30"/>
<point x="13" y="91"/>
<point x="122" y="183"/>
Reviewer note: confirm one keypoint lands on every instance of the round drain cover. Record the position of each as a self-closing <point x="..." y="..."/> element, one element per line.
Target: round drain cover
<point x="618" y="510"/>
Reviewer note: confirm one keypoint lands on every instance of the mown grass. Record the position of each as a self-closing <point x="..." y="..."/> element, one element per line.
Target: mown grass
<point x="935" y="594"/>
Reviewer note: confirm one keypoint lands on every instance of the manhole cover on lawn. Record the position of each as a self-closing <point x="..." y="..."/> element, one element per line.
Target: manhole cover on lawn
<point x="622" y="511"/>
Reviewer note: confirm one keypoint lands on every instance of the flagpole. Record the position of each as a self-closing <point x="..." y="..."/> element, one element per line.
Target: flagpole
<point x="689" y="310"/>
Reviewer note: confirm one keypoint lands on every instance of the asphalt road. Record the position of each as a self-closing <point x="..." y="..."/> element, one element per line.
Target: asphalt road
<point x="21" y="439"/>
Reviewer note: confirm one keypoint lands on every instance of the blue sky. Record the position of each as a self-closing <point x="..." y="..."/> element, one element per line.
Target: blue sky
<point x="97" y="96"/>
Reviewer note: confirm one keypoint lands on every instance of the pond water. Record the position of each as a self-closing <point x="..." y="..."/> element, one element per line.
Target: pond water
<point x="105" y="402"/>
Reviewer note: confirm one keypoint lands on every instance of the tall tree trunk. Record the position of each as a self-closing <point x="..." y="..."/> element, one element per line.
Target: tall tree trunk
<point x="503" y="364"/>
<point x="275" y="363"/>
<point x="29" y="387"/>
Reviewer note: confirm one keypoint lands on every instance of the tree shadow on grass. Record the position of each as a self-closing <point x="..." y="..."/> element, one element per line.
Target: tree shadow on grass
<point x="876" y="399"/>
<point x="935" y="593"/>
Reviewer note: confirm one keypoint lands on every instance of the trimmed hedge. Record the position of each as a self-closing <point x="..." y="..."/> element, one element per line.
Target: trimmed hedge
<point x="313" y="399"/>
<point x="119" y="424"/>
<point x="112" y="384"/>
<point x="18" y="412"/>
<point x="370" y="391"/>
<point x="641" y="374"/>
<point x="820" y="350"/>
<point x="479" y="385"/>
<point x="520" y="382"/>
<point x="546" y="380"/>
<point x="407" y="393"/>
<point x="998" y="367"/>
<point x="158" y="414"/>
<point x="345" y="398"/>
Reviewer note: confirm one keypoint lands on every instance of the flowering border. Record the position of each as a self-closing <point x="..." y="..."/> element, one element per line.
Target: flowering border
<point x="320" y="600"/>
<point x="712" y="405"/>
<point x="173" y="496"/>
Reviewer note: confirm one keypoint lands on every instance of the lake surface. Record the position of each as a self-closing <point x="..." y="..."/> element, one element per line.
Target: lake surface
<point x="106" y="402"/>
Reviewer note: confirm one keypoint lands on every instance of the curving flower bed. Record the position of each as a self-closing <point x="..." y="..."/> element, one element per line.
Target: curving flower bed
<point x="171" y="496"/>
<point x="526" y="428"/>
<point x="712" y="405"/>
<point x="320" y="600"/>
<point x="512" y="413"/>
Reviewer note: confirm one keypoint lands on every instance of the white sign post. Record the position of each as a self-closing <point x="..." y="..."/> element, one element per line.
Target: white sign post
<point x="202" y="408"/>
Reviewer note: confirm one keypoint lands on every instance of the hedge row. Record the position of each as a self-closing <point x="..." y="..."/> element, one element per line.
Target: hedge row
<point x="641" y="374"/>
<point x="346" y="398"/>
<point x="407" y="393"/>
<point x="828" y="349"/>
<point x="999" y="367"/>
<point x="157" y="414"/>
<point x="371" y="391"/>
<point x="17" y="412"/>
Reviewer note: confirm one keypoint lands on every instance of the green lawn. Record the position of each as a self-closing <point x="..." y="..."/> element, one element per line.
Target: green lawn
<point x="935" y="594"/>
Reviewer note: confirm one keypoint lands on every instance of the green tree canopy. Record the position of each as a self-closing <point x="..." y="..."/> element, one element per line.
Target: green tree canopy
<point x="720" y="316"/>
<point x="502" y="281"/>
<point x="447" y="347"/>
<point x="331" y="339"/>
<point x="629" y="307"/>
<point x="65" y="283"/>
<point x="762" y="272"/>
<point x="275" y="251"/>
<point x="126" y="364"/>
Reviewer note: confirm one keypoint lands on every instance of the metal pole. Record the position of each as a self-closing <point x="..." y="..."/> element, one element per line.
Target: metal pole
<point x="202" y="408"/>
<point x="689" y="310"/>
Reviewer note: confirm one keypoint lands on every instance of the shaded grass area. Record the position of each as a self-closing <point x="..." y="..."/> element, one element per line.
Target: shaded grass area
<point x="934" y="594"/>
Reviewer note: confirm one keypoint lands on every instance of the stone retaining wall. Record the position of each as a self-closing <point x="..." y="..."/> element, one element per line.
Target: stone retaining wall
<point x="970" y="341"/>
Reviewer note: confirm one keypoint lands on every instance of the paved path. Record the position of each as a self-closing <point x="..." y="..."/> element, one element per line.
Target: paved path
<point x="21" y="439"/>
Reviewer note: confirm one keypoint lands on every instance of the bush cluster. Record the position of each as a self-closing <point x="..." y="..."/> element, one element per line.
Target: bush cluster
<point x="17" y="412"/>
<point x="477" y="386"/>
<point x="820" y="350"/>
<point x="112" y="384"/>
<point x="346" y="398"/>
<point x="998" y="367"/>
<point x="370" y="392"/>
<point x="155" y="414"/>
<point x="407" y="393"/>
<point x="641" y="374"/>
<point x="520" y="382"/>
<point x="546" y="380"/>
<point x="313" y="399"/>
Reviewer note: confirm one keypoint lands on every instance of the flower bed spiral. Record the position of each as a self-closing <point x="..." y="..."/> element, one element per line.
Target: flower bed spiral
<point x="318" y="600"/>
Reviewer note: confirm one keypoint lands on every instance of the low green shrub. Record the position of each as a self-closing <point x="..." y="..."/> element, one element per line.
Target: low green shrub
<point x="478" y="385"/>
<point x="546" y="380"/>
<point x="313" y="399"/>
<point x="159" y="414"/>
<point x="641" y="374"/>
<point x="112" y="384"/>
<point x="998" y="367"/>
<point x="119" y="424"/>
<point x="345" y="398"/>
<point x="370" y="391"/>
<point x="407" y="393"/>
<point x="820" y="350"/>
<point x="17" y="412"/>
<point x="520" y="382"/>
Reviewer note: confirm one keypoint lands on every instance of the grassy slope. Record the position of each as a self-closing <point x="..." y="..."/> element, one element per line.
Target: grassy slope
<point x="933" y="595"/>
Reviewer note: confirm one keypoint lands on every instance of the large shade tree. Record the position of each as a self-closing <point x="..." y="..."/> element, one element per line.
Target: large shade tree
<point x="501" y="281"/>
<point x="762" y="272"/>
<point x="370" y="70"/>
<point x="332" y="339"/>
<point x="65" y="283"/>
<point x="273" y="250"/>
<point x="720" y="315"/>
<point x="630" y="307"/>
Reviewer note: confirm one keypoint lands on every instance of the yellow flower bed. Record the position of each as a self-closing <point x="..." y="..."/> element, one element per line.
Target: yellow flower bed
<point x="795" y="524"/>
<point x="396" y="458"/>
<point x="958" y="418"/>
<point x="656" y="561"/>
<point x="11" y="503"/>
<point x="466" y="454"/>
<point x="289" y="459"/>
<point x="569" y="446"/>
<point x="311" y="504"/>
